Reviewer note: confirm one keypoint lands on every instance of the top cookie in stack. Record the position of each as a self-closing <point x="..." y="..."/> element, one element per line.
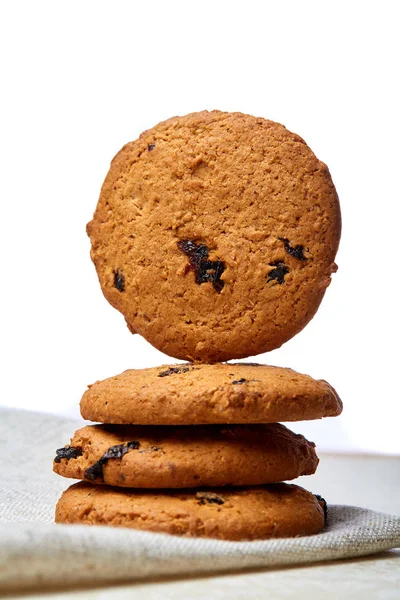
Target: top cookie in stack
<point x="215" y="235"/>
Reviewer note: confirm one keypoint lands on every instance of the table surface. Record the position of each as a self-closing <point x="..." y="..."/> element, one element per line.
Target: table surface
<point x="361" y="480"/>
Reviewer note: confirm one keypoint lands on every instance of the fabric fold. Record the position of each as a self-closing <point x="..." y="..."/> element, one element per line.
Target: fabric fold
<point x="36" y="552"/>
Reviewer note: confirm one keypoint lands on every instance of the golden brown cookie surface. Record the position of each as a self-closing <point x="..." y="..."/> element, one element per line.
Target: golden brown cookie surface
<point x="183" y="457"/>
<point x="206" y="394"/>
<point x="277" y="510"/>
<point x="215" y="235"/>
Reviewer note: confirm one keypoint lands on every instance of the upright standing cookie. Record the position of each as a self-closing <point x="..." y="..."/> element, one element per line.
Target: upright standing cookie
<point x="215" y="235"/>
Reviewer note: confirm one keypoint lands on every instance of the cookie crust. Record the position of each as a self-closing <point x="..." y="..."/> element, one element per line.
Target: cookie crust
<point x="183" y="457"/>
<point x="278" y="510"/>
<point x="215" y="235"/>
<point x="209" y="394"/>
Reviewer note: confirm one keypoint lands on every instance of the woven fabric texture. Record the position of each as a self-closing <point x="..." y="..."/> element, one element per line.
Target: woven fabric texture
<point x="35" y="551"/>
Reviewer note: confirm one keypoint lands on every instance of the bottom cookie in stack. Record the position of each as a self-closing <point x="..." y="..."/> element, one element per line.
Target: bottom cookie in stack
<point x="244" y="513"/>
<point x="219" y="480"/>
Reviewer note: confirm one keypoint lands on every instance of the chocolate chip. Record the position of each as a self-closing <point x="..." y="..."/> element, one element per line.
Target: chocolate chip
<point x="119" y="281"/>
<point x="133" y="445"/>
<point x="68" y="452"/>
<point x="96" y="471"/>
<point x="322" y="501"/>
<point x="205" y="270"/>
<point x="239" y="381"/>
<point x="295" y="251"/>
<point x="173" y="370"/>
<point x="210" y="498"/>
<point x="117" y="451"/>
<point x="196" y="253"/>
<point x="278" y="272"/>
<point x="155" y="448"/>
<point x="151" y="147"/>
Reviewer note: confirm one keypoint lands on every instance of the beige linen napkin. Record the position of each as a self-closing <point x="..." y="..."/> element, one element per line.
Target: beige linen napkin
<point x="35" y="551"/>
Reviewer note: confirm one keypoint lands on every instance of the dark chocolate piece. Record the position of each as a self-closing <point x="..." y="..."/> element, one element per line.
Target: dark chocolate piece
<point x="119" y="281"/>
<point x="278" y="272"/>
<point x="210" y="498"/>
<point x="174" y="370"/>
<point x="135" y="445"/>
<point x="96" y="471"/>
<point x="239" y="381"/>
<point x="295" y="251"/>
<point x="68" y="452"/>
<point x="151" y="147"/>
<point x="205" y="270"/>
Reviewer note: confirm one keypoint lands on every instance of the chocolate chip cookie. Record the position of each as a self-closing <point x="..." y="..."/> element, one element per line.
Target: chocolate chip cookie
<point x="189" y="394"/>
<point x="277" y="510"/>
<point x="215" y="235"/>
<point x="183" y="457"/>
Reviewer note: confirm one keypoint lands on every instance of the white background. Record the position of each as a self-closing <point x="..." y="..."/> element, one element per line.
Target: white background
<point x="81" y="78"/>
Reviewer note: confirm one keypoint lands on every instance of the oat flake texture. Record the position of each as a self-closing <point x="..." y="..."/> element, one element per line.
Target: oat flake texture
<point x="215" y="235"/>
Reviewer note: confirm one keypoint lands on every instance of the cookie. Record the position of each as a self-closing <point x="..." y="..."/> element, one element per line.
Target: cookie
<point x="205" y="394"/>
<point x="215" y="235"/>
<point x="183" y="457"/>
<point x="274" y="511"/>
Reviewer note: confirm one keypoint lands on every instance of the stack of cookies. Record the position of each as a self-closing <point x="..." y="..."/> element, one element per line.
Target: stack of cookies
<point x="215" y="235"/>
